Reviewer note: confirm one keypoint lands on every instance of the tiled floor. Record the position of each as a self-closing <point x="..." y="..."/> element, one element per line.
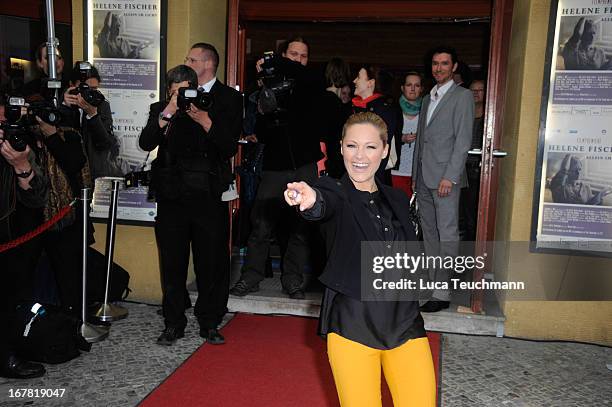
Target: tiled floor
<point x="476" y="371"/>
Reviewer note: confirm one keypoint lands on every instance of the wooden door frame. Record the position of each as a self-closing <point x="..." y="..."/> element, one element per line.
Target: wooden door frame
<point x="500" y="12"/>
<point x="501" y="26"/>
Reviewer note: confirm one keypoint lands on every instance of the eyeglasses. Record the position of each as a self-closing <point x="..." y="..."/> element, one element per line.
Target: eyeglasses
<point x="192" y="60"/>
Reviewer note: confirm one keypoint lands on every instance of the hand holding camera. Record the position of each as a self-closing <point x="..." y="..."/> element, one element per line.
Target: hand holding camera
<point x="17" y="159"/>
<point x="195" y="103"/>
<point x="46" y="129"/>
<point x="73" y="98"/>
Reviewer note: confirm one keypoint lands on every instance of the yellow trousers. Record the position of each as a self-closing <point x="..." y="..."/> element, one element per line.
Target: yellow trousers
<point x="408" y="369"/>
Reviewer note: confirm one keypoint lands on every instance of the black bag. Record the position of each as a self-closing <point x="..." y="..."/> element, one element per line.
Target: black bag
<point x="48" y="335"/>
<point x="96" y="279"/>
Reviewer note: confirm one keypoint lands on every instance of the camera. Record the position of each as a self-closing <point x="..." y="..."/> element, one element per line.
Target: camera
<point x="268" y="67"/>
<point x="46" y="111"/>
<point x="188" y="95"/>
<point x="15" y="130"/>
<point x="275" y="94"/>
<point x="91" y="96"/>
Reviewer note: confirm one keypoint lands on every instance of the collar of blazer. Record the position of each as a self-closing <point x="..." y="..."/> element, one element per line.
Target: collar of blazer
<point x="361" y="215"/>
<point x="445" y="98"/>
<point x="215" y="87"/>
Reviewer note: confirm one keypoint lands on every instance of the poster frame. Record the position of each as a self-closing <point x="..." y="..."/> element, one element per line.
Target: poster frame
<point x="162" y="73"/>
<point x="541" y="144"/>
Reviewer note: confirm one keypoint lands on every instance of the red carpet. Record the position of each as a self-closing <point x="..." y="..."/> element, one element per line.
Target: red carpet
<point x="267" y="361"/>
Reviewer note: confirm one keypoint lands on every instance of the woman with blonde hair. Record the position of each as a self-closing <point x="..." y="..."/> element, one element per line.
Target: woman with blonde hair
<point x="363" y="335"/>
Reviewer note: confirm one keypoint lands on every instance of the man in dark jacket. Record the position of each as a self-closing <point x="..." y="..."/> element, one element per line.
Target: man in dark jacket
<point x="292" y="149"/>
<point x="190" y="173"/>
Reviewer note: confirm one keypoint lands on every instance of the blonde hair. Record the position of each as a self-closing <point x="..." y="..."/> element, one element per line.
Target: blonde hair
<point x="367" y="118"/>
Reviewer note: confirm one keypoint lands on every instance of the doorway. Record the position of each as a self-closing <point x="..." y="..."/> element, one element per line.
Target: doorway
<point x="395" y="34"/>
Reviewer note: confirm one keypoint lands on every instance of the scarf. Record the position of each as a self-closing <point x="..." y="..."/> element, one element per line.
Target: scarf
<point x="60" y="191"/>
<point x="358" y="101"/>
<point x="410" y="108"/>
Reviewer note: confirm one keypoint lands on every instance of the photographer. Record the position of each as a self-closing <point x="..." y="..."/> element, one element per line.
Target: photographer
<point x="23" y="191"/>
<point x="62" y="160"/>
<point x="85" y="108"/>
<point x="190" y="173"/>
<point x="291" y="137"/>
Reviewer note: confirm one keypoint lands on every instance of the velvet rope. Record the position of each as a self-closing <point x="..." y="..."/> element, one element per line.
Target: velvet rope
<point x="31" y="235"/>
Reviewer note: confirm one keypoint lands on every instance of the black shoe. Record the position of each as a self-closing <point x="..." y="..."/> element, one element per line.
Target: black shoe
<point x="434" y="306"/>
<point x="295" y="293"/>
<point x="212" y="336"/>
<point x="241" y="288"/>
<point x="16" y="368"/>
<point x="170" y="335"/>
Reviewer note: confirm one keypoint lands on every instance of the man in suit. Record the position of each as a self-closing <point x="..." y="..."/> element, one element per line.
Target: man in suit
<point x="191" y="171"/>
<point x="444" y="137"/>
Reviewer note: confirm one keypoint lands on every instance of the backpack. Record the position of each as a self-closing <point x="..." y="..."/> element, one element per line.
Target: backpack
<point x="48" y="335"/>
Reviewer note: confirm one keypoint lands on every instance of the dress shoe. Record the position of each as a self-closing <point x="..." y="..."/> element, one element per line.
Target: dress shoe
<point x="212" y="336"/>
<point x="294" y="292"/>
<point x="16" y="368"/>
<point x="241" y="288"/>
<point x="170" y="335"/>
<point x="434" y="306"/>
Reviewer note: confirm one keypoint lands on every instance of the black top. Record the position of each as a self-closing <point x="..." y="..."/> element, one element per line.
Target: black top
<point x="334" y="115"/>
<point x="377" y="324"/>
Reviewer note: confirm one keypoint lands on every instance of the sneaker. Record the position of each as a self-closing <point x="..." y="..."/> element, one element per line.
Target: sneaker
<point x="241" y="288"/>
<point x="170" y="335"/>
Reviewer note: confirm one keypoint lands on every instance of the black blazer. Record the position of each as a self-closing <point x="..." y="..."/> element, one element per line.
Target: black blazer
<point x="99" y="140"/>
<point x="345" y="224"/>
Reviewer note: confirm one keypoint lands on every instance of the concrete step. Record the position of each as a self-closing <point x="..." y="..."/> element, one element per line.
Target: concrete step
<point x="271" y="300"/>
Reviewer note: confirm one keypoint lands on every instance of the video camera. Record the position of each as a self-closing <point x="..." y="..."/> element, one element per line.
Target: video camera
<point x="188" y="95"/>
<point x="15" y="128"/>
<point x="91" y="96"/>
<point x="277" y="87"/>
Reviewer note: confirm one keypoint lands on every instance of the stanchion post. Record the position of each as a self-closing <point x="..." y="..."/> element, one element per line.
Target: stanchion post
<point x="90" y="333"/>
<point x="111" y="312"/>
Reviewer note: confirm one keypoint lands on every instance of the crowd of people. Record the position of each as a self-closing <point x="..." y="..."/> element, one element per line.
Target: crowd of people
<point x="379" y="150"/>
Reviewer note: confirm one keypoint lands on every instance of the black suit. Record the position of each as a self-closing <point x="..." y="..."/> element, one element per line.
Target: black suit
<point x="188" y="180"/>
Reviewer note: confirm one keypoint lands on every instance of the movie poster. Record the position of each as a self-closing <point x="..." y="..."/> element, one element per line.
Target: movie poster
<point x="574" y="194"/>
<point x="124" y="44"/>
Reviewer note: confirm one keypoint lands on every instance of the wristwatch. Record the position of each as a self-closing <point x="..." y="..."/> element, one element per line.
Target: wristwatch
<point x="24" y="174"/>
